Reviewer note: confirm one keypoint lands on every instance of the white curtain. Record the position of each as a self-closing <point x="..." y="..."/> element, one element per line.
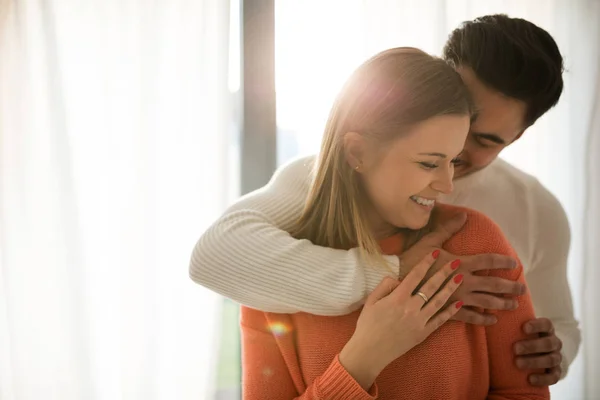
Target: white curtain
<point x="562" y="150"/>
<point x="591" y="215"/>
<point x="114" y="152"/>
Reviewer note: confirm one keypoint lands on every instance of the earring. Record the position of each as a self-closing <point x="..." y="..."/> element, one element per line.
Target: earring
<point x="357" y="167"/>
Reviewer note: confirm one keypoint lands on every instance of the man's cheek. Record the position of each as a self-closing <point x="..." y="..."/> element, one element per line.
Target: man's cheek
<point x="484" y="157"/>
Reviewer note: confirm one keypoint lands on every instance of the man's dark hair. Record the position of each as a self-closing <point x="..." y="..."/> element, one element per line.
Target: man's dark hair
<point x="513" y="56"/>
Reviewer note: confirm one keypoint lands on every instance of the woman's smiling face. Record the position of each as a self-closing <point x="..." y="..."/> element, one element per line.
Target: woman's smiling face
<point x="404" y="179"/>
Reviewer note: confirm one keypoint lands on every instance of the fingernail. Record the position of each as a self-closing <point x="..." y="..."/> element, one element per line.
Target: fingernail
<point x="515" y="305"/>
<point x="436" y="254"/>
<point x="533" y="380"/>
<point x="519" y="351"/>
<point x="521" y="363"/>
<point x="455" y="264"/>
<point x="459" y="304"/>
<point x="528" y="329"/>
<point x="458" y="278"/>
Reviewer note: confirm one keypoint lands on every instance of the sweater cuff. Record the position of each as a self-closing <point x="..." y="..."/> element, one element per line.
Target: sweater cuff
<point x="569" y="351"/>
<point x="337" y="384"/>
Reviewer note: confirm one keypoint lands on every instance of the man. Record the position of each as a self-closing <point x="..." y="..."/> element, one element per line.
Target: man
<point x="514" y="71"/>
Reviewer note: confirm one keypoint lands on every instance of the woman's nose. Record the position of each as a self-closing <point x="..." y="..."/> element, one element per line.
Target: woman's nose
<point x="443" y="183"/>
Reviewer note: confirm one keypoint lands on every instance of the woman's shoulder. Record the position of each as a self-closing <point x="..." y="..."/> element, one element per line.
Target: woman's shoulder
<point x="475" y="219"/>
<point x="480" y="234"/>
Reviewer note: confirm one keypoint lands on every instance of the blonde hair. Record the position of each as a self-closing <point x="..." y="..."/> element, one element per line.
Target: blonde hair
<point x="382" y="99"/>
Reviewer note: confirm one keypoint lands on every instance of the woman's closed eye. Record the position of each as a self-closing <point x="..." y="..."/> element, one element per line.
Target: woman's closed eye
<point x="427" y="165"/>
<point x="430" y="166"/>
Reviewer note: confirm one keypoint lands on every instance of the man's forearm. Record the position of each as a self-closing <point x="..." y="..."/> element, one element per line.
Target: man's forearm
<point x="248" y="256"/>
<point x="244" y="257"/>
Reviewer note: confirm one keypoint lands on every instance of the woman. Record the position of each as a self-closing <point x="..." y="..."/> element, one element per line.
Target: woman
<point x="387" y="153"/>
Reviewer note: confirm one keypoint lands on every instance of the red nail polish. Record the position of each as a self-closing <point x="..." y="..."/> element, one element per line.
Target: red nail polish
<point x="459" y="304"/>
<point x="436" y="254"/>
<point x="458" y="278"/>
<point x="455" y="264"/>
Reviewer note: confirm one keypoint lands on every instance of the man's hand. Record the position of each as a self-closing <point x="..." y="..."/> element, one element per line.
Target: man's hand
<point x="476" y="291"/>
<point x="541" y="352"/>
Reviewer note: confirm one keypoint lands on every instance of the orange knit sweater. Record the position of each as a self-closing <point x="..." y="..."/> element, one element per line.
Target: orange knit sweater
<point x="296" y="356"/>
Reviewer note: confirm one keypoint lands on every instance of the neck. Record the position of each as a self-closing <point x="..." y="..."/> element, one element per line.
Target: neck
<point x="384" y="232"/>
<point x="380" y="228"/>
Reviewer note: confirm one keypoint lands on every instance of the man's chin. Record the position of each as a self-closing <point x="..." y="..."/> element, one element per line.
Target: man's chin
<point x="460" y="174"/>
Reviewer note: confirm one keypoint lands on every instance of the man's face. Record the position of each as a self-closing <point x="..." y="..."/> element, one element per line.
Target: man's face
<point x="499" y="122"/>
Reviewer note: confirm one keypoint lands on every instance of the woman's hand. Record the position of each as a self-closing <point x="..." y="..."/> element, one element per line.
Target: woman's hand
<point x="477" y="291"/>
<point x="393" y="320"/>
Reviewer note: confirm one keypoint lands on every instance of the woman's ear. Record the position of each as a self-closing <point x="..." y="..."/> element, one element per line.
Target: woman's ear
<point x="354" y="150"/>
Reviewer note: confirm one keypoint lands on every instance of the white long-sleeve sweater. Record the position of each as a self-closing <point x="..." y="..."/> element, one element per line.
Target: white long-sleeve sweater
<point x="248" y="256"/>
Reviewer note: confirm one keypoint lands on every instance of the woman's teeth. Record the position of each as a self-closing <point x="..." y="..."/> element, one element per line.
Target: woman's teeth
<point x="422" y="201"/>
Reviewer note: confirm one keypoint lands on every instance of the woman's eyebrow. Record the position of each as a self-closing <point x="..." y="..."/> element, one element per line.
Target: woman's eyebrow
<point x="440" y="155"/>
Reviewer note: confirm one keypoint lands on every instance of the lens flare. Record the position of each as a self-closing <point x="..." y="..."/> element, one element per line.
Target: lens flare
<point x="278" y="328"/>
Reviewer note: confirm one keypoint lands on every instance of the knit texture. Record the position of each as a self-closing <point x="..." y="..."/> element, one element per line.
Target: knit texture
<point x="288" y="356"/>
